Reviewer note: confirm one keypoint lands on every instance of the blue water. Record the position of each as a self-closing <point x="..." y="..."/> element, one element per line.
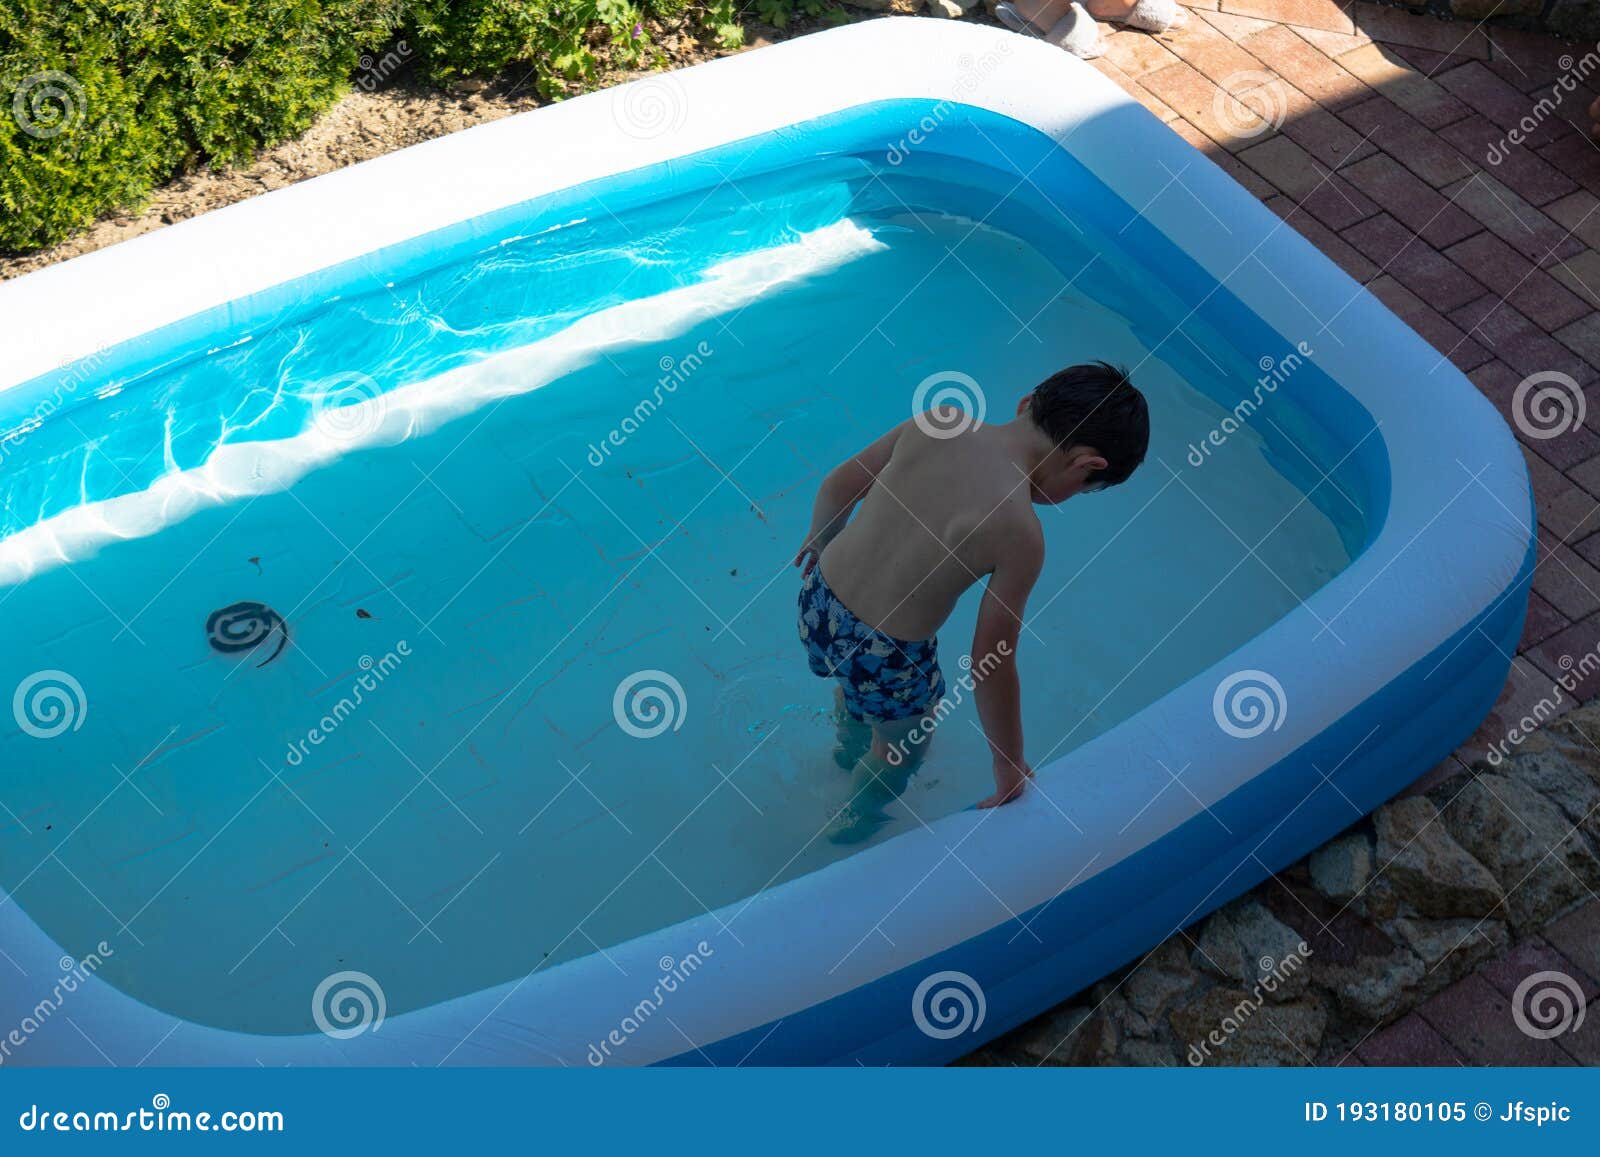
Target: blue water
<point x="449" y="491"/>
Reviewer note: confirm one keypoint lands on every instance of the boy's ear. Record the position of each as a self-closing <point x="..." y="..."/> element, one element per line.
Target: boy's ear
<point x="1022" y="406"/>
<point x="1090" y="463"/>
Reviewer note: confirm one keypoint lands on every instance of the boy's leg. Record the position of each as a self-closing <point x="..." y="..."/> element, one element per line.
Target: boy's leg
<point x="879" y="778"/>
<point x="852" y="736"/>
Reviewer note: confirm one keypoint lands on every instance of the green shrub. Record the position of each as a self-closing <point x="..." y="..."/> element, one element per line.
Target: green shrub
<point x="100" y="99"/>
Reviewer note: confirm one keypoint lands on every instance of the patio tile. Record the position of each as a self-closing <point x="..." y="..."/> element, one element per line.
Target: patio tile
<point x="1333" y="44"/>
<point x="1535" y="955"/>
<point x="1414" y="263"/>
<point x="1518" y="342"/>
<point x="1387" y="72"/>
<point x="1412" y="202"/>
<point x="1530" y="289"/>
<point x="1342" y="253"/>
<point x="1324" y="14"/>
<point x="1393" y="26"/>
<point x="1407" y="140"/>
<point x="1577" y="155"/>
<point x="1582" y="337"/>
<point x="1311" y="71"/>
<point x="1586" y="475"/>
<point x="1580" y="274"/>
<point x="1408" y="1041"/>
<point x="1224" y="160"/>
<point x="1542" y="622"/>
<point x="1516" y="222"/>
<point x="1574" y="516"/>
<point x="1564" y="579"/>
<point x="1235" y="28"/>
<point x="1216" y="57"/>
<point x="1550" y="483"/>
<point x="1577" y="937"/>
<point x="1558" y="656"/>
<point x="1200" y="102"/>
<point x="1527" y="60"/>
<point x="1476" y="1020"/>
<point x="1313" y="128"/>
<point x="1579" y="213"/>
<point x="1437" y="330"/>
<point x="1328" y="197"/>
<point x="1527" y="691"/>
<point x="1505" y="105"/>
<point x="1518" y="167"/>
<point x="1136" y="53"/>
<point x="1133" y="88"/>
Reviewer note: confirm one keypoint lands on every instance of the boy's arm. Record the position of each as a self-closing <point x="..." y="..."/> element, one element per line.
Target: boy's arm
<point x="844" y="486"/>
<point x="994" y="663"/>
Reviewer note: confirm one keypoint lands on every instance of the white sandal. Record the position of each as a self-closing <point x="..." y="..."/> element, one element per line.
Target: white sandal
<point x="1156" y="16"/>
<point x="1076" y="32"/>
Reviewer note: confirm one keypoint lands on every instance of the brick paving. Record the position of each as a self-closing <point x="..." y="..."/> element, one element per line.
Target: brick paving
<point x="1371" y="130"/>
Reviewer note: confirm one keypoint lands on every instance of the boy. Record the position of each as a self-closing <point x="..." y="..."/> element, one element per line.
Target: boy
<point x="940" y="510"/>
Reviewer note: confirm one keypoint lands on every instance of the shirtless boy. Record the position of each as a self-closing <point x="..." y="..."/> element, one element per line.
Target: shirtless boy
<point x="938" y="512"/>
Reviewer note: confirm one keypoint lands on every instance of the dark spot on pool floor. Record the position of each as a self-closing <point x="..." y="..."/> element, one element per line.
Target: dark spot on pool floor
<point x="243" y="627"/>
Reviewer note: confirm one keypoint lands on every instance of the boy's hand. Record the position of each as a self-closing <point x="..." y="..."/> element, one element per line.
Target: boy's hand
<point x="810" y="551"/>
<point x="1009" y="780"/>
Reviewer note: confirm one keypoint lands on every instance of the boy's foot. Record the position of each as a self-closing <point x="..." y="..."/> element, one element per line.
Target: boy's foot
<point x="1075" y="31"/>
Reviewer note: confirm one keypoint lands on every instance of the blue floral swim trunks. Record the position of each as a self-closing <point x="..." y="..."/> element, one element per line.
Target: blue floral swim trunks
<point x="883" y="678"/>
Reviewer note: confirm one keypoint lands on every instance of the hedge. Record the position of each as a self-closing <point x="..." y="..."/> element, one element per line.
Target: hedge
<point x="102" y="99"/>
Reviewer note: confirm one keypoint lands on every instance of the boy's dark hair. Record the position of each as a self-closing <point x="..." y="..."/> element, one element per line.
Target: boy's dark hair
<point x="1094" y="404"/>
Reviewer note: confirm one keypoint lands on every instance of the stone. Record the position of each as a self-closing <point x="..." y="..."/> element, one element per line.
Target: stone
<point x="1483" y="9"/>
<point x="1227" y="1026"/>
<point x="1072" y="1035"/>
<point x="946" y="8"/>
<point x="1558" y="779"/>
<point x="1426" y="867"/>
<point x="1579" y="18"/>
<point x="1341" y="868"/>
<point x="1147" y="1054"/>
<point x="1527" y="843"/>
<point x="1245" y="944"/>
<point x="898" y="7"/>
<point x="1164" y="975"/>
<point x="1450" y="949"/>
<point x="1372" y="988"/>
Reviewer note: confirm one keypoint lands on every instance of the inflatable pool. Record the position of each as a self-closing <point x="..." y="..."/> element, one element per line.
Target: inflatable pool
<point x="400" y="625"/>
